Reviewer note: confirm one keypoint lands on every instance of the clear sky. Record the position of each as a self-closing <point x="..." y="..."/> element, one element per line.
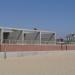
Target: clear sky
<point x="52" y="15"/>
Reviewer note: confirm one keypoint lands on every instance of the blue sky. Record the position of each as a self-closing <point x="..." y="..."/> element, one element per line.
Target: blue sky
<point x="52" y="15"/>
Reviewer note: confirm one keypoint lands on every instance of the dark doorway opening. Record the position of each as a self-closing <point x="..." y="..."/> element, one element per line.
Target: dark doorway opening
<point x="5" y="37"/>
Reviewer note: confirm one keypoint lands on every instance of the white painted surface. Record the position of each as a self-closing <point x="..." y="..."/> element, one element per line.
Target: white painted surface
<point x="37" y="53"/>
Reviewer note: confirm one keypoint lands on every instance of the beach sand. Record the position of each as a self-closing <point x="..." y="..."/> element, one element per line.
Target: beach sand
<point x="55" y="63"/>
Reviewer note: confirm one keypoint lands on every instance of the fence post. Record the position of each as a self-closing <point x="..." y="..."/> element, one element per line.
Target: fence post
<point x="5" y="56"/>
<point x="61" y="46"/>
<point x="66" y="47"/>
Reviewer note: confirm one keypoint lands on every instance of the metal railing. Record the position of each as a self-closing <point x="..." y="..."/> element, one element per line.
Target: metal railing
<point x="7" y="41"/>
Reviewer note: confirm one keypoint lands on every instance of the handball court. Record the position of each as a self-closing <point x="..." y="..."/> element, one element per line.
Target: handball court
<point x="54" y="63"/>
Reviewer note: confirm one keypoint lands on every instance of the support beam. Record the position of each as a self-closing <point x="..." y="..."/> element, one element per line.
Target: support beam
<point x="51" y="37"/>
<point x="1" y="36"/>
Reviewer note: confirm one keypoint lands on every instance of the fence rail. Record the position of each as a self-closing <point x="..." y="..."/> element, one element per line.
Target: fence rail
<point x="7" y="41"/>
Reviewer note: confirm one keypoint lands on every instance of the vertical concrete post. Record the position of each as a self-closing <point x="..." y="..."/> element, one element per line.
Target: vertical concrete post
<point x="23" y="37"/>
<point x="40" y="37"/>
<point x="55" y="38"/>
<point x="1" y="36"/>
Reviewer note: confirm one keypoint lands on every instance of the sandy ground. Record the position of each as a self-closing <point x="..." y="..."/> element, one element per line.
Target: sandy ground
<point x="55" y="63"/>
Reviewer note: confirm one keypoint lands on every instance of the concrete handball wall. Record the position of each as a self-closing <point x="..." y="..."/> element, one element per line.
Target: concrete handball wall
<point x="10" y="48"/>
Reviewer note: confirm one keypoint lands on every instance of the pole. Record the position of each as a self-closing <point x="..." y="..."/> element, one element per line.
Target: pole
<point x="5" y="52"/>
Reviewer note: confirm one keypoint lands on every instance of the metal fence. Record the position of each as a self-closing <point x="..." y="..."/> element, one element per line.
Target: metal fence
<point x="11" y="41"/>
<point x="7" y="41"/>
<point x="62" y="45"/>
